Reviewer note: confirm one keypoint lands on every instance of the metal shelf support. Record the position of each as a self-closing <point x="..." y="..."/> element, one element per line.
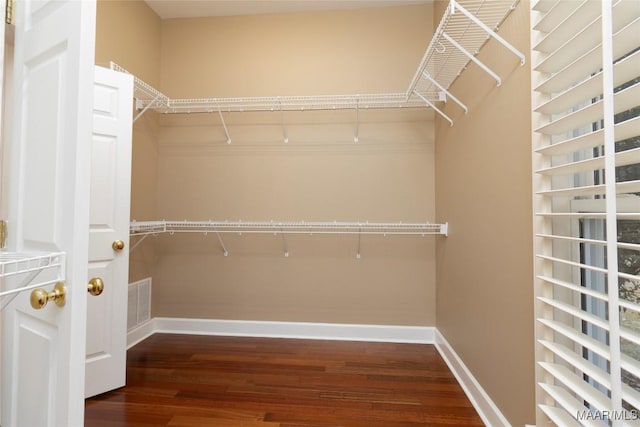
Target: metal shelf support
<point x="489" y="31"/>
<point x="448" y="94"/>
<point x="472" y="58"/>
<point x="224" y="126"/>
<point x="436" y="109"/>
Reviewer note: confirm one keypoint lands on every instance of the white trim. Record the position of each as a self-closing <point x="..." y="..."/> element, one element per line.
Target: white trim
<point x="249" y="328"/>
<point x="479" y="398"/>
<point x="141" y="332"/>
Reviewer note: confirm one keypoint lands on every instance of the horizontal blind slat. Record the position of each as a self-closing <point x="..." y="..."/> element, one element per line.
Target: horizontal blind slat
<point x="579" y="18"/>
<point x="579" y="44"/>
<point x="632" y="396"/>
<point x="578" y="362"/>
<point x="572" y="263"/>
<point x="577" y="313"/>
<point x="559" y="416"/>
<point x="554" y="17"/>
<point x="577" y="336"/>
<point x="577" y="385"/>
<point x="576" y="288"/>
<point x="623" y="158"/>
<point x="623" y="101"/>
<point x="569" y="404"/>
<point x="630" y="364"/>
<point x="623" y="43"/>
<point x="624" y="71"/>
<point x="623" y="130"/>
<point x="625" y="187"/>
<point x="582" y="17"/>
<point x="543" y="5"/>
<point x="580" y="215"/>
<point x="621" y="245"/>
<point x="630" y="335"/>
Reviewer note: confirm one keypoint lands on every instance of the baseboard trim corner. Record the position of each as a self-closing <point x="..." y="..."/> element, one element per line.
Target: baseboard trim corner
<point x="141" y="332"/>
<point x="487" y="409"/>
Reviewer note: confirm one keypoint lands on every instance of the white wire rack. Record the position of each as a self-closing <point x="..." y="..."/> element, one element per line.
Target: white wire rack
<point x="26" y="268"/>
<point x="147" y="228"/>
<point x="463" y="30"/>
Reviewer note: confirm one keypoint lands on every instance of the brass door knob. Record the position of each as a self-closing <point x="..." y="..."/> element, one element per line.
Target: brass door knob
<point x="95" y="286"/>
<point x="117" y="245"/>
<point x="40" y="297"/>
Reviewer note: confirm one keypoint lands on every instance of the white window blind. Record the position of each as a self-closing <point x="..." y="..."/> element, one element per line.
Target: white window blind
<point x="586" y="162"/>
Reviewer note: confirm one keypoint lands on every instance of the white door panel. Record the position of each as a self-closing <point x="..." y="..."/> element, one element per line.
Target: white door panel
<point x="48" y="209"/>
<point x="108" y="222"/>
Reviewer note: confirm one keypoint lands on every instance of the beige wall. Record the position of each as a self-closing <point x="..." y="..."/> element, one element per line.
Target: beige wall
<point x="484" y="267"/>
<point x="128" y="33"/>
<point x="320" y="175"/>
<point x="334" y="52"/>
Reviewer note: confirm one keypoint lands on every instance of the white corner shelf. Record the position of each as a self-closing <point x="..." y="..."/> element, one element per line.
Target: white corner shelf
<point x="465" y="27"/>
<point x="26" y="267"/>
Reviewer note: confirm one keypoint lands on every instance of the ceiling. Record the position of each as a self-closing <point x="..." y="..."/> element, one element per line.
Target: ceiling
<point x="168" y="9"/>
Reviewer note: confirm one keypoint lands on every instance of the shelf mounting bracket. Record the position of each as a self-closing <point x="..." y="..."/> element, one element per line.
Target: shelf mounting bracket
<point x="489" y="31"/>
<point x="430" y="104"/>
<point x="426" y="76"/>
<point x="473" y="58"/>
<point x="284" y="243"/>
<point x="144" y="110"/>
<point x="284" y="128"/>
<point x="224" y="126"/>
<point x="135" y="245"/>
<point x="356" y="138"/>
<point x="225" y="252"/>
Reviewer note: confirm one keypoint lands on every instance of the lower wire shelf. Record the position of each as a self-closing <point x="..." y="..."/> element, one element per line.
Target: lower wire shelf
<point x="287" y="227"/>
<point x="26" y="267"/>
<point x="147" y="228"/>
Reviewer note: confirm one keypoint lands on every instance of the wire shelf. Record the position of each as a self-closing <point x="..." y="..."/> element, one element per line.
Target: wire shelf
<point x="27" y="267"/>
<point x="145" y="229"/>
<point x="463" y="30"/>
<point x="286" y="227"/>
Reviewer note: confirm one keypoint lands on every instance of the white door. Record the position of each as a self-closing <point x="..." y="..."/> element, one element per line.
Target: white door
<point x="43" y="351"/>
<point x="109" y="230"/>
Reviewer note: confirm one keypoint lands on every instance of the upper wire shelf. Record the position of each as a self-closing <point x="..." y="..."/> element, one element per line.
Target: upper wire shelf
<point x="26" y="267"/>
<point x="464" y="28"/>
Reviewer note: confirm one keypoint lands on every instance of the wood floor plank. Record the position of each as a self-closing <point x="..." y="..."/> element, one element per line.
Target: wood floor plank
<point x="189" y="381"/>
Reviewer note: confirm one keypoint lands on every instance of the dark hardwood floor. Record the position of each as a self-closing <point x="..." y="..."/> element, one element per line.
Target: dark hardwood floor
<point x="204" y="381"/>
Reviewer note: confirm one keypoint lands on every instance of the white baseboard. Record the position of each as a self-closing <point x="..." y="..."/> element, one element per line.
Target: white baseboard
<point x="141" y="332"/>
<point x="249" y="328"/>
<point x="479" y="398"/>
<point x="481" y="401"/>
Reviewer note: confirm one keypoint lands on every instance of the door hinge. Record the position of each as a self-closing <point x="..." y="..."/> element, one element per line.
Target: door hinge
<point x="3" y="233"/>
<point x="9" y="13"/>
